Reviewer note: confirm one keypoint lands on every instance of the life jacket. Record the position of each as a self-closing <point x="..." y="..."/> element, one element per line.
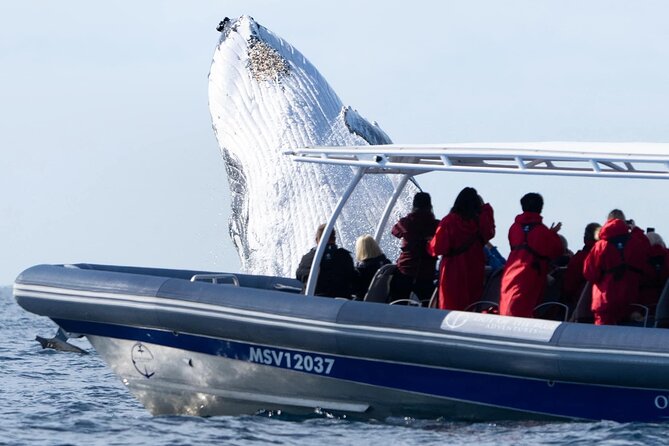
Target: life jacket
<point x="617" y="271"/>
<point x="453" y="252"/>
<point x="536" y="263"/>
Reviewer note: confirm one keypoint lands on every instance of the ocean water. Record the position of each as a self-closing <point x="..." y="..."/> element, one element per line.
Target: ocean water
<point x="57" y="398"/>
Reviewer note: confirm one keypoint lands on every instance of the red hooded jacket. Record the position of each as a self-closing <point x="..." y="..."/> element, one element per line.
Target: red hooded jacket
<point x="658" y="273"/>
<point x="462" y="268"/>
<point x="524" y="279"/>
<point x="616" y="274"/>
<point x="415" y="230"/>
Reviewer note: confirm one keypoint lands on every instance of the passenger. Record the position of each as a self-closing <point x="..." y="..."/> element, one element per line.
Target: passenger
<point x="574" y="281"/>
<point x="369" y="258"/>
<point x="337" y="272"/>
<point x="493" y="258"/>
<point x="615" y="266"/>
<point x="563" y="259"/>
<point x="460" y="239"/>
<point x="416" y="267"/>
<point x="658" y="273"/>
<point x="533" y="246"/>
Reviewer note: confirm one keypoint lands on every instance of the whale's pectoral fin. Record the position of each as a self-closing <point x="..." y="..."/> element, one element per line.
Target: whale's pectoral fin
<point x="370" y="132"/>
<point x="59" y="342"/>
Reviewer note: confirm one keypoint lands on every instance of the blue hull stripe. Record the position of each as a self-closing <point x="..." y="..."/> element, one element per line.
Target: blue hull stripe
<point x="532" y="395"/>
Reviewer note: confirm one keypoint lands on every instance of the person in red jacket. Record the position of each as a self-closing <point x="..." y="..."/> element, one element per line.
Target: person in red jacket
<point x="533" y="247"/>
<point x="615" y="267"/>
<point x="573" y="281"/>
<point x="416" y="267"/>
<point x="459" y="239"/>
<point x="658" y="273"/>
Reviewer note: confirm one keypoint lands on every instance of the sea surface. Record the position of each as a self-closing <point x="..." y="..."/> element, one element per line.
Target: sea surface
<point x="57" y="398"/>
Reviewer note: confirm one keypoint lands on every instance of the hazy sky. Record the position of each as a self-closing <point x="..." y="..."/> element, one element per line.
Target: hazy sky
<point x="106" y="148"/>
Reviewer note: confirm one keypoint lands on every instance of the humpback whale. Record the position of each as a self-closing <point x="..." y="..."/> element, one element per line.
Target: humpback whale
<point x="265" y="97"/>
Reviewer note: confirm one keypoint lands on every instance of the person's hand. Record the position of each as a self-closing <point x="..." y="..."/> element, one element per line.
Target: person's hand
<point x="556" y="227"/>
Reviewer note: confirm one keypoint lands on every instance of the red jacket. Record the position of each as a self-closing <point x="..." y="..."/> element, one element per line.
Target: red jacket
<point x="415" y="230"/>
<point x="573" y="281"/>
<point x="657" y="275"/>
<point x="616" y="281"/>
<point x="524" y="279"/>
<point x="462" y="268"/>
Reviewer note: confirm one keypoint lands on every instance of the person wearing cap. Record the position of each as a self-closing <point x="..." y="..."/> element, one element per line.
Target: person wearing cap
<point x="416" y="266"/>
<point x="460" y="239"/>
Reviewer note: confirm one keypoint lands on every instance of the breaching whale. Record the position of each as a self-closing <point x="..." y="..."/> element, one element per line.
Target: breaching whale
<point x="265" y="97"/>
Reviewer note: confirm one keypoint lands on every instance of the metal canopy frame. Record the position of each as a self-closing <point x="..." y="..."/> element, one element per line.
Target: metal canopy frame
<point x="650" y="161"/>
<point x="561" y="160"/>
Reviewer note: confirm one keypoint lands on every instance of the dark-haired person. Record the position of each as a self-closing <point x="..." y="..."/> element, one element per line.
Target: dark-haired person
<point x="574" y="281"/>
<point x="615" y="266"/>
<point x="416" y="266"/>
<point x="533" y="247"/>
<point x="459" y="239"/>
<point x="337" y="273"/>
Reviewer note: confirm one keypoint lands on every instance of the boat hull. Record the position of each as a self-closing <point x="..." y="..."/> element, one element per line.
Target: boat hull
<point x="215" y="349"/>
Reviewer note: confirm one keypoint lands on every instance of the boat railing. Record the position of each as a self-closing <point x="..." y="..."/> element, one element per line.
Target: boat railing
<point x="560" y="305"/>
<point x="215" y="278"/>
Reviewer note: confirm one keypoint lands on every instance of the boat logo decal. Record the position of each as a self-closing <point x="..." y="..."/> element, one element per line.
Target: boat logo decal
<point x="142" y="359"/>
<point x="503" y="326"/>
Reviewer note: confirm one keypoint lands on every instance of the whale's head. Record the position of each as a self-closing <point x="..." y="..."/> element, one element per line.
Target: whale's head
<point x="266" y="97"/>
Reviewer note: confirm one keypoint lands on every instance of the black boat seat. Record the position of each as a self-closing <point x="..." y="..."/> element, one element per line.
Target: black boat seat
<point x="379" y="287"/>
<point x="491" y="293"/>
<point x="542" y="311"/>
<point x="583" y="313"/>
<point x="662" y="309"/>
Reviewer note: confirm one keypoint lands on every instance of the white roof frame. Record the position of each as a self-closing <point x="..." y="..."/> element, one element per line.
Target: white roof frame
<point x="620" y="160"/>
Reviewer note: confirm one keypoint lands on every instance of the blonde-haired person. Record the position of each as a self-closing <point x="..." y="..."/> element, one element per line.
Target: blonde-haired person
<point x="369" y="258"/>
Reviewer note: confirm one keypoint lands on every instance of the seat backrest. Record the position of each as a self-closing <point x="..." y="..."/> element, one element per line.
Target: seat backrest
<point x="662" y="309"/>
<point x="493" y="286"/>
<point x="379" y="288"/>
<point x="433" y="302"/>
<point x="553" y="291"/>
<point x="583" y="312"/>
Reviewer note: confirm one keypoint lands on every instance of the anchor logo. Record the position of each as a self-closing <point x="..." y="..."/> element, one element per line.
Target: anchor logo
<point x="142" y="359"/>
<point x="455" y="320"/>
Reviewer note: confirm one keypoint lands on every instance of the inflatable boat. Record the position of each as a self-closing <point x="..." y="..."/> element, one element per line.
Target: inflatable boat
<point x="208" y="343"/>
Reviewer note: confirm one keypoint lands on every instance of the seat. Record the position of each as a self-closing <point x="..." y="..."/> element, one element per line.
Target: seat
<point x="379" y="287"/>
<point x="552" y="306"/>
<point x="493" y="286"/>
<point x="433" y="302"/>
<point x="662" y="309"/>
<point x="583" y="313"/>
<point x="491" y="291"/>
<point x="552" y="311"/>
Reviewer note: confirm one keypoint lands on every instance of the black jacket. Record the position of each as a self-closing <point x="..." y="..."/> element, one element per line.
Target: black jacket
<point x="337" y="273"/>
